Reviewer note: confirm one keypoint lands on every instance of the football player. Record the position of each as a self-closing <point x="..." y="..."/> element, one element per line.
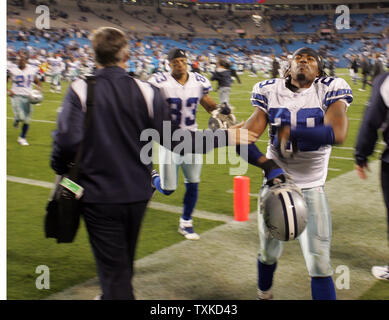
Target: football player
<point x="183" y="91"/>
<point x="306" y="114"/>
<point x="56" y="66"/>
<point x="22" y="76"/>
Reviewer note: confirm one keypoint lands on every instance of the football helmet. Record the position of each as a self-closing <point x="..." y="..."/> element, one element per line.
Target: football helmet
<point x="284" y="209"/>
<point x="35" y="96"/>
<point x="221" y="118"/>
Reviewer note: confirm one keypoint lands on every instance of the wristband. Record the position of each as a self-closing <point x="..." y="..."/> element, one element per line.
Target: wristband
<point x="321" y="135"/>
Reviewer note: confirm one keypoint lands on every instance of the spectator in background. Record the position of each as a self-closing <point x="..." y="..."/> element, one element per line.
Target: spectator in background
<point x="275" y="67"/>
<point x="222" y="75"/>
<point x="354" y="69"/>
<point x="233" y="69"/>
<point x="378" y="67"/>
<point x="366" y="69"/>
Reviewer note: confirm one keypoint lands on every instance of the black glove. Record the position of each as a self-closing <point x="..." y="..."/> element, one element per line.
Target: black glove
<point x="225" y="109"/>
<point x="273" y="173"/>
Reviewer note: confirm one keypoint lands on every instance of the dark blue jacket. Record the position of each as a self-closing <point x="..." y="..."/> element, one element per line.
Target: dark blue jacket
<point x="223" y="77"/>
<point x="376" y="117"/>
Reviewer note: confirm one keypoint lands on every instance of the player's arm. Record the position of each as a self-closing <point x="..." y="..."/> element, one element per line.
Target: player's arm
<point x="38" y="83"/>
<point x="9" y="91"/>
<point x="208" y="103"/>
<point x="336" y="123"/>
<point x="257" y="124"/>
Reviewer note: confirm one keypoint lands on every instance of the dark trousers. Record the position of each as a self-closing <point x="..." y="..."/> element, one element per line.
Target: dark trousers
<point x="364" y="80"/>
<point x="385" y="188"/>
<point x="113" y="232"/>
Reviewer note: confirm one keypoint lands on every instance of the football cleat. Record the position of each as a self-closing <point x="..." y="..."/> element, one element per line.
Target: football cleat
<point x="264" y="295"/>
<point x="186" y="229"/>
<point x="23" y="141"/>
<point x="381" y="273"/>
<point x="154" y="174"/>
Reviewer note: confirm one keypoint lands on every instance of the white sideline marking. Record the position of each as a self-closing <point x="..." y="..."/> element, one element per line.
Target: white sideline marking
<point x="152" y="204"/>
<point x="37" y="183"/>
<point x="250" y="194"/>
<point x="45" y="121"/>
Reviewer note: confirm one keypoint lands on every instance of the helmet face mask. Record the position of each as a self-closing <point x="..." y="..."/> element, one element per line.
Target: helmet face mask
<point x="284" y="210"/>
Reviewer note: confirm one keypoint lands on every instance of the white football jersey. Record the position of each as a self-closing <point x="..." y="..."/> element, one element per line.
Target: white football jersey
<point x="305" y="108"/>
<point x="73" y="66"/>
<point x="34" y="62"/>
<point x="56" y="65"/>
<point x="182" y="99"/>
<point x="22" y="79"/>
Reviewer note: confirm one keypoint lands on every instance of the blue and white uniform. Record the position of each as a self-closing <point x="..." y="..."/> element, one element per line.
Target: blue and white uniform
<point x="21" y="87"/>
<point x="309" y="165"/>
<point x="183" y="101"/>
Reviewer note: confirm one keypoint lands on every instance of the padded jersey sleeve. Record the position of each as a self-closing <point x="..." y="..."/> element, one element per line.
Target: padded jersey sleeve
<point x="336" y="89"/>
<point x="259" y="97"/>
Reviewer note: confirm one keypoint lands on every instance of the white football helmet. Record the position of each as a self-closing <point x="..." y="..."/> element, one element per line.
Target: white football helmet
<point x="35" y="96"/>
<point x="284" y="210"/>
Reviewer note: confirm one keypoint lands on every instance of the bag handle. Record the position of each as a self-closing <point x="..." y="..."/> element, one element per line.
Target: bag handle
<point x="75" y="166"/>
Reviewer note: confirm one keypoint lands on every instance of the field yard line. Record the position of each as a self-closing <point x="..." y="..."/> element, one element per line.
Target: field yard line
<point x="32" y="182"/>
<point x="45" y="121"/>
<point x="222" y="265"/>
<point x="152" y="204"/>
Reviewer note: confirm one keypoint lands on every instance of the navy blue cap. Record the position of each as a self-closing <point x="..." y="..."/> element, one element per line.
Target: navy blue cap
<point x="176" y="53"/>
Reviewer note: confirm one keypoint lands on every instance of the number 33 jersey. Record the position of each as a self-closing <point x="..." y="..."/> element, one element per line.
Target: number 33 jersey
<point x="182" y="99"/>
<point x="304" y="108"/>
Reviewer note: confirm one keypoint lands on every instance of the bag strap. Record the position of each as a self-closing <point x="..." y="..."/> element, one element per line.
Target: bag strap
<point x="74" y="169"/>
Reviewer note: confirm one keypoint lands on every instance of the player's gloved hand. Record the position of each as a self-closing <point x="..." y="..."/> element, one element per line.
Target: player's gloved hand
<point x="282" y="141"/>
<point x="273" y="173"/>
<point x="222" y="118"/>
<point x="224" y="108"/>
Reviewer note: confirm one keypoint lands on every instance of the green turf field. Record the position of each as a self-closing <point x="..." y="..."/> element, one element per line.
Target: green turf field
<point x="71" y="264"/>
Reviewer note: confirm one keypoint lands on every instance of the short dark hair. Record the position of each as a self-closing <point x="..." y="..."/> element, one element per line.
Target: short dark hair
<point x="108" y="44"/>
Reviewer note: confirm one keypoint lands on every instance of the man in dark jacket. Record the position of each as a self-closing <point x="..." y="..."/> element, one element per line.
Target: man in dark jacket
<point x="275" y="67"/>
<point x="366" y="70"/>
<point x="378" y="67"/>
<point x="115" y="171"/>
<point x="354" y="69"/>
<point x="376" y="117"/>
<point x="223" y="76"/>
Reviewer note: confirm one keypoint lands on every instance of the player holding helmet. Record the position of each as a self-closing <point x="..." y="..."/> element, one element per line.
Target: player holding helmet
<point x="306" y="113"/>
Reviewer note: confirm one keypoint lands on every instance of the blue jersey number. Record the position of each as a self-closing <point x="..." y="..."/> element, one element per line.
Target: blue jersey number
<point x="267" y="82"/>
<point x="160" y="78"/>
<point x="20" y="81"/>
<point x="176" y="108"/>
<point x="309" y="117"/>
<point x="200" y="78"/>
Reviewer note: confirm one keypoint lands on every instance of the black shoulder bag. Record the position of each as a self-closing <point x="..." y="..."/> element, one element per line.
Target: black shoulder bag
<point x="63" y="210"/>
